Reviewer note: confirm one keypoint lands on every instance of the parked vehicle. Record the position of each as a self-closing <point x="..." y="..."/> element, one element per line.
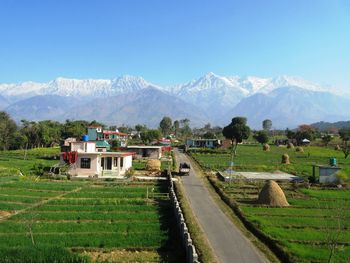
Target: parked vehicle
<point x="184" y="169"/>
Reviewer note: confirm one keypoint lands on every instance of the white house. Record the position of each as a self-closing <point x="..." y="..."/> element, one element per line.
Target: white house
<point x="83" y="159"/>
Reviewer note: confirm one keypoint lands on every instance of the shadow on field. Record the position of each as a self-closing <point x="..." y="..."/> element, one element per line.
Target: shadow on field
<point x="171" y="250"/>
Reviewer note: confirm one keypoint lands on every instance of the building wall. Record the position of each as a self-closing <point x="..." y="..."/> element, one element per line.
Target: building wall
<point x="95" y="166"/>
<point x="327" y="174"/>
<point x="147" y="153"/>
<point x="83" y="147"/>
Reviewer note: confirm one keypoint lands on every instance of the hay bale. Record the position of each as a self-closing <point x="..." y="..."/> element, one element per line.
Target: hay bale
<point x="290" y="145"/>
<point x="272" y="194"/>
<point x="337" y="147"/>
<point x="153" y="165"/>
<point x="285" y="159"/>
<point x="266" y="147"/>
<point x="299" y="149"/>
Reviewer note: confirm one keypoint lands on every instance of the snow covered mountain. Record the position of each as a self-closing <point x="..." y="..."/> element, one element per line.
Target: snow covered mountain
<point x="210" y="98"/>
<point x="75" y="87"/>
<point x="291" y="106"/>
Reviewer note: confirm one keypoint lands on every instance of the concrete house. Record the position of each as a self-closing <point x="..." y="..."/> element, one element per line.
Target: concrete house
<point x="83" y="159"/>
<point x="203" y="143"/>
<point x="96" y="133"/>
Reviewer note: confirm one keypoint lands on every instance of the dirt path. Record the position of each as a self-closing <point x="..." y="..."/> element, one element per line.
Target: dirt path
<point x="228" y="243"/>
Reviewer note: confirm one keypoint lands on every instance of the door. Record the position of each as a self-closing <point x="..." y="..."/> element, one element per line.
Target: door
<point x="109" y="163"/>
<point x="106" y="163"/>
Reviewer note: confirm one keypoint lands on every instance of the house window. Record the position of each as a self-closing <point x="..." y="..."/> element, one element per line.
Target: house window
<point x="85" y="163"/>
<point x="121" y="162"/>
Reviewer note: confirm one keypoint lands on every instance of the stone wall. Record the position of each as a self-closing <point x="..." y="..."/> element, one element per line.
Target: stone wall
<point x="191" y="254"/>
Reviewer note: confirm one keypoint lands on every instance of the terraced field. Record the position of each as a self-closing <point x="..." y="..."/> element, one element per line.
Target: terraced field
<point x="83" y="220"/>
<point x="316" y="224"/>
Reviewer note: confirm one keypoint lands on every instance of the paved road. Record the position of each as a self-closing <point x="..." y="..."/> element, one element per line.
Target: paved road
<point x="229" y="244"/>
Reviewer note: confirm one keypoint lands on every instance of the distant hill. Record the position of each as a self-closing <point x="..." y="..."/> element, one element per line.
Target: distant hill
<point x="3" y="102"/>
<point x="326" y="126"/>
<point x="291" y="106"/>
<point x="287" y="101"/>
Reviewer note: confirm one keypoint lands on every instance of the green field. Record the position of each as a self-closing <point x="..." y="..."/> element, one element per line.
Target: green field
<point x="253" y="158"/>
<point x="100" y="218"/>
<point x="315" y="219"/>
<point x="13" y="162"/>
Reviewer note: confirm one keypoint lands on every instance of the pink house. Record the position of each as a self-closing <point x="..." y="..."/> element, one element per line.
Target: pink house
<point x="84" y="160"/>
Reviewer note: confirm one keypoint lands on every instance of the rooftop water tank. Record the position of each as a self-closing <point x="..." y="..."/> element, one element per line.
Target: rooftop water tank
<point x="85" y="138"/>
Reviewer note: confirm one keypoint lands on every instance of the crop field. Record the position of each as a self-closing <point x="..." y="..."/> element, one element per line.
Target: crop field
<point x="316" y="220"/>
<point x="253" y="158"/>
<point x="84" y="220"/>
<point x="13" y="162"/>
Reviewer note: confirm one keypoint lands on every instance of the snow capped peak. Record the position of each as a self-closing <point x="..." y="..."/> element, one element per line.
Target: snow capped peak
<point x="210" y="87"/>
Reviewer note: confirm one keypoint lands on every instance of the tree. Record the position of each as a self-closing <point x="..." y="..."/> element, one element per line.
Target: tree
<point x="236" y="131"/>
<point x="150" y="135"/>
<point x="261" y="137"/>
<point x="290" y="134"/>
<point x="209" y="135"/>
<point x="140" y="127"/>
<point x="185" y="127"/>
<point x="176" y="127"/>
<point x="7" y="130"/>
<point x="267" y="124"/>
<point x="305" y="132"/>
<point x="326" y="139"/>
<point x="345" y="136"/>
<point x="74" y="129"/>
<point x="165" y="126"/>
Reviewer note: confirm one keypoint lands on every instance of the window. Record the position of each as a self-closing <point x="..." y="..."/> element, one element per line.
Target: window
<point x="85" y="163"/>
<point x="121" y="162"/>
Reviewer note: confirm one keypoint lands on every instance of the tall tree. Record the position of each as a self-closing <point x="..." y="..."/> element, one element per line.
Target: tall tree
<point x="165" y="126"/>
<point x="74" y="129"/>
<point x="267" y="124"/>
<point x="176" y="127"/>
<point x="7" y="130"/>
<point x="236" y="131"/>
<point x="148" y="136"/>
<point x="345" y="136"/>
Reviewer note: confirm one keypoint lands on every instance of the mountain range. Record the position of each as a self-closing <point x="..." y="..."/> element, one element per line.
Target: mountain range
<point x="287" y="101"/>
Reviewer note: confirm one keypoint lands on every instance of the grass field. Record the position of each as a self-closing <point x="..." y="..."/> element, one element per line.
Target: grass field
<point x="252" y="158"/>
<point x="316" y="219"/>
<point x="13" y="162"/>
<point x="100" y="218"/>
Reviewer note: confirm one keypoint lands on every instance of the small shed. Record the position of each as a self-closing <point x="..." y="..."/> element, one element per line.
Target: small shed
<point x="327" y="173"/>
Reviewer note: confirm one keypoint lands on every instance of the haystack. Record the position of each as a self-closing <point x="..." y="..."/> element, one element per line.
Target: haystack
<point x="266" y="147"/>
<point x="285" y="159"/>
<point x="272" y="194"/>
<point x="153" y="165"/>
<point x="290" y="145"/>
<point x="299" y="149"/>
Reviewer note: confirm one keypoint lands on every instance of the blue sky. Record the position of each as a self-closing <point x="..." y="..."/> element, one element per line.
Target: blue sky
<point x="169" y="42"/>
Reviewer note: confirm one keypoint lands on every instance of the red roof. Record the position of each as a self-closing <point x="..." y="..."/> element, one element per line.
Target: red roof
<point x="114" y="132"/>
